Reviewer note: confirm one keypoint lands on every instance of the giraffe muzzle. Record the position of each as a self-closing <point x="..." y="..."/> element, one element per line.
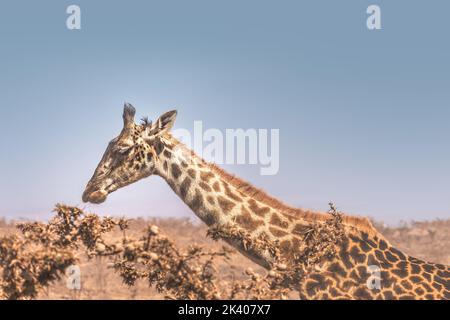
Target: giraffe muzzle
<point x="96" y="197"/>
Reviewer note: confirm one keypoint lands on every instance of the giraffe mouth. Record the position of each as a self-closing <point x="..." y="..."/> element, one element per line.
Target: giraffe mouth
<point x="96" y="193"/>
<point x="96" y="197"/>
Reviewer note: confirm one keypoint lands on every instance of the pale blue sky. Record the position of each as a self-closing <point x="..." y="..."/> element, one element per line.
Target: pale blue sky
<point x="363" y="115"/>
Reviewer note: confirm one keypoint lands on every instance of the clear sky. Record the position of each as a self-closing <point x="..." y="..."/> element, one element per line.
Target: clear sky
<point x="363" y="115"/>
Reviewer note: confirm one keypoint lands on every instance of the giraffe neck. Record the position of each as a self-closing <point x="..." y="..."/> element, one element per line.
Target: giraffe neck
<point x="220" y="199"/>
<point x="218" y="202"/>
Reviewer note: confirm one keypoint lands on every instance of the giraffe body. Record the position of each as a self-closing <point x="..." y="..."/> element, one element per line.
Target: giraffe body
<point x="347" y="274"/>
<point x="220" y="199"/>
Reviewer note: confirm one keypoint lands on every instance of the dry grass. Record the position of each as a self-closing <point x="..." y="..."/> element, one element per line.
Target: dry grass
<point x="167" y="258"/>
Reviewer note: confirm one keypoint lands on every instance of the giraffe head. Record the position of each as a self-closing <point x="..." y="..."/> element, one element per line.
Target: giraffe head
<point x="129" y="157"/>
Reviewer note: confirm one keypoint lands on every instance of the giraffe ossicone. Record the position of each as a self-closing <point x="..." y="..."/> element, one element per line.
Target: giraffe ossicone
<point x="222" y="200"/>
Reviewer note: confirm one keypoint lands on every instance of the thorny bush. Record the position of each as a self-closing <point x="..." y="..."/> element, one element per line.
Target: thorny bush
<point x="41" y="252"/>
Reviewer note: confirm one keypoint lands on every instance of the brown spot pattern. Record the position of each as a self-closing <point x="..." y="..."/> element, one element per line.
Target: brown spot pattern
<point x="176" y="171"/>
<point x="216" y="186"/>
<point x="167" y="154"/>
<point x="185" y="185"/>
<point x="206" y="176"/>
<point x="191" y="173"/>
<point x="231" y="194"/>
<point x="277" y="221"/>
<point x="197" y="202"/>
<point x="246" y="220"/>
<point x="260" y="211"/>
<point x="225" y="204"/>
<point x="204" y="186"/>
<point x="210" y="200"/>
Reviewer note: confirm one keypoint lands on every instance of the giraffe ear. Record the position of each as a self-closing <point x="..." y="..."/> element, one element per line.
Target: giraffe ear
<point x="166" y="121"/>
<point x="163" y="124"/>
<point x="128" y="115"/>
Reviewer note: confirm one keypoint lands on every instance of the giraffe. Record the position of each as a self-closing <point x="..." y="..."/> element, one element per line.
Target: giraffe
<point x="221" y="199"/>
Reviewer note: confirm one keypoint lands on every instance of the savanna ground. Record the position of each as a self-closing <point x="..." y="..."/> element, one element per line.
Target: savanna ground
<point x="426" y="240"/>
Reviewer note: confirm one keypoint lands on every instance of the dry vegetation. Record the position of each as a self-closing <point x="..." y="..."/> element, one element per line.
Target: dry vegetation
<point x="39" y="255"/>
<point x="166" y="258"/>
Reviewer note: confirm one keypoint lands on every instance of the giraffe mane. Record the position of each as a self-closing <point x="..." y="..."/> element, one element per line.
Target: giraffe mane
<point x="360" y="223"/>
<point x="356" y="223"/>
<point x="145" y="122"/>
